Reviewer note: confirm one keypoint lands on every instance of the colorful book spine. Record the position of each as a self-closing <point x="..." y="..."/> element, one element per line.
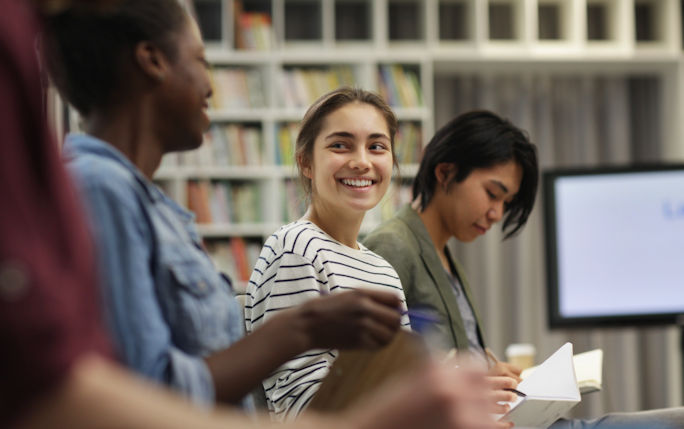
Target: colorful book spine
<point x="399" y="85"/>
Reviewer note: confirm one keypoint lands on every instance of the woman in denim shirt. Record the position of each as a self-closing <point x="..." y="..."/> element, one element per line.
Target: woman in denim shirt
<point x="138" y="76"/>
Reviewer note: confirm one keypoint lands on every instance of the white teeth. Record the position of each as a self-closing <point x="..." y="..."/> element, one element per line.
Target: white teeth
<point x="358" y="183"/>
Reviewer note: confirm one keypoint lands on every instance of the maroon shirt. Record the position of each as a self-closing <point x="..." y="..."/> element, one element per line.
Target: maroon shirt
<point x="49" y="315"/>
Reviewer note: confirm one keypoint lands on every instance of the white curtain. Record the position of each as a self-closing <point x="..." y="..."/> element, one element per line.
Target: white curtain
<point x="575" y="120"/>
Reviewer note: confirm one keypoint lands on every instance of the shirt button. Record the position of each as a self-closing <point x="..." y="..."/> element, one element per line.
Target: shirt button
<point x="202" y="286"/>
<point x="13" y="281"/>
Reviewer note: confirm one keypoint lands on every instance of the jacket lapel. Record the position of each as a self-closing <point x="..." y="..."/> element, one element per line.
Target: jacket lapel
<point x="466" y="288"/>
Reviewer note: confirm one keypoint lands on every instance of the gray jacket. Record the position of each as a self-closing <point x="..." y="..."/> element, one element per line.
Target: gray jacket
<point x="405" y="243"/>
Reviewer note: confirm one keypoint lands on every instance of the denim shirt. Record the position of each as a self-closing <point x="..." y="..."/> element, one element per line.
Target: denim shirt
<point x="166" y="304"/>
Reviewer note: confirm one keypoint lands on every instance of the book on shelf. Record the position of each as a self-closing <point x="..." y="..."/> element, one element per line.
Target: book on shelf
<point x="399" y="85"/>
<point x="408" y="143"/>
<point x="588" y="370"/>
<point x="242" y="268"/>
<point x="253" y="30"/>
<point x="198" y="200"/>
<point x="220" y="203"/>
<point x="301" y="86"/>
<point x="246" y="198"/>
<point x="547" y="393"/>
<point x="237" y="88"/>
<point x="285" y="143"/>
<point x="227" y="145"/>
<point x="235" y="257"/>
<point x="224" y="202"/>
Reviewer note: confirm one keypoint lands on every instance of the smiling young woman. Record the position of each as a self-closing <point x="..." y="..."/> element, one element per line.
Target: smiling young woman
<point x="345" y="157"/>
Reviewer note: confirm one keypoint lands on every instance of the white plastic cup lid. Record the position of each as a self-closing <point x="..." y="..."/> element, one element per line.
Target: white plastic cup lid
<point x="520" y="349"/>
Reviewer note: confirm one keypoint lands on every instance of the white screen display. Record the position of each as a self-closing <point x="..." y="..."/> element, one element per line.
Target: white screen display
<point x="620" y="243"/>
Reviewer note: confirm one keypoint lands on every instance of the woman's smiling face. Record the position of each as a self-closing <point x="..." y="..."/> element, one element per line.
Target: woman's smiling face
<point x="351" y="166"/>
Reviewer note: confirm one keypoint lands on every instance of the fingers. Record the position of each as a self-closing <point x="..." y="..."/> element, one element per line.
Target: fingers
<point x="501" y="382"/>
<point x="352" y="319"/>
<point x="377" y="334"/>
<point x="506" y="370"/>
<point x="381" y="313"/>
<point x="502" y="396"/>
<point x="387" y="299"/>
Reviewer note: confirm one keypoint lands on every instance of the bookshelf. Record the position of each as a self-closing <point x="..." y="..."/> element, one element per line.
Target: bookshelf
<point x="272" y="58"/>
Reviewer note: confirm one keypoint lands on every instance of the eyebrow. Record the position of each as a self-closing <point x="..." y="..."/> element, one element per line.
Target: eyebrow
<point x="500" y="185"/>
<point x="349" y="135"/>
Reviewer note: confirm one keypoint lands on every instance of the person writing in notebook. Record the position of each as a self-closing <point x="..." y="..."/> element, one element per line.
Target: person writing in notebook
<point x="476" y="171"/>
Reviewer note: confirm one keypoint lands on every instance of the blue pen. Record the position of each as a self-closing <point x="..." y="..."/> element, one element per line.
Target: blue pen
<point x="421" y="320"/>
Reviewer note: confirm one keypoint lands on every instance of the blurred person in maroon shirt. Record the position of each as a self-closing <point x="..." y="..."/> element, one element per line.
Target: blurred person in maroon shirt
<point x="48" y="311"/>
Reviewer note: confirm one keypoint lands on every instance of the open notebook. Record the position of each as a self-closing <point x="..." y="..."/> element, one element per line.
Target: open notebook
<point x="548" y="393"/>
<point x="588" y="369"/>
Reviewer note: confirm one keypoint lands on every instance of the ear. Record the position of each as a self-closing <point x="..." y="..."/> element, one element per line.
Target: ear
<point x="304" y="166"/>
<point x="152" y="62"/>
<point x="444" y="173"/>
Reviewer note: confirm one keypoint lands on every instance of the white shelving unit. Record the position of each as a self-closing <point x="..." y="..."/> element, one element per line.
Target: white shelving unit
<point x="431" y="38"/>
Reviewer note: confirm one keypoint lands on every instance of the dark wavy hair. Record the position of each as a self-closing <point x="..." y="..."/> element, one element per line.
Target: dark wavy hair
<point x="87" y="47"/>
<point x="481" y="139"/>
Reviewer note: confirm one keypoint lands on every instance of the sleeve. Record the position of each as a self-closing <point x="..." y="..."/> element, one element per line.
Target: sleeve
<point x="289" y="281"/>
<point x="395" y="251"/>
<point x="124" y="239"/>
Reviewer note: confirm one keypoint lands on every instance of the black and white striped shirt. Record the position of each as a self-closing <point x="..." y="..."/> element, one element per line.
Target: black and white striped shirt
<point x="300" y="262"/>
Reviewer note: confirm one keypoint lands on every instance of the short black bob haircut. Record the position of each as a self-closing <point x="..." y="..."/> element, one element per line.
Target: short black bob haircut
<point x="87" y="47"/>
<point x="481" y="139"/>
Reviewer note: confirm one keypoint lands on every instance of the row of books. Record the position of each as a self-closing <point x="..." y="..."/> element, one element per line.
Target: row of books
<point x="224" y="202"/>
<point x="237" y="88"/>
<point x="243" y="87"/>
<point x="236" y="257"/>
<point x="226" y="145"/>
<point x="301" y="86"/>
<point x="400" y="85"/>
<point x="408" y="142"/>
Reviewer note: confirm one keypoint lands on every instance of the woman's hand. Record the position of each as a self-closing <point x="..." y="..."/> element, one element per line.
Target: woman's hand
<point x="358" y="318"/>
<point x="505" y="369"/>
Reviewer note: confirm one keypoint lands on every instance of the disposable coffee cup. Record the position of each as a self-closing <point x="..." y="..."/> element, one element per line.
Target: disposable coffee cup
<point x="521" y="354"/>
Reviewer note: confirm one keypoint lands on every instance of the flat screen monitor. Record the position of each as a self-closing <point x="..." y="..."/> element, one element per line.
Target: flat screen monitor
<point x="615" y="245"/>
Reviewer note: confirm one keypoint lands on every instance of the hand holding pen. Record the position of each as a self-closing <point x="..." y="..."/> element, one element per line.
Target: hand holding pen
<point x="502" y="369"/>
<point x="503" y="378"/>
